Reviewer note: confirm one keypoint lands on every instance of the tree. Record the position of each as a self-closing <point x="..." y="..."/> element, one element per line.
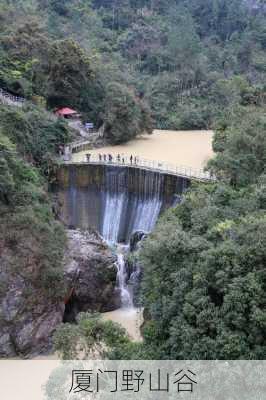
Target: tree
<point x="204" y="286"/>
<point x="36" y="133"/>
<point x="24" y="62"/>
<point x="125" y="116"/>
<point x="69" y="73"/>
<point x="7" y="184"/>
<point x="90" y="338"/>
<point x="204" y="276"/>
<point x="26" y="216"/>
<point x="240" y="148"/>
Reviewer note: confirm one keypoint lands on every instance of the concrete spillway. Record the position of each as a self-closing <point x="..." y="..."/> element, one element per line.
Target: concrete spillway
<point x="115" y="201"/>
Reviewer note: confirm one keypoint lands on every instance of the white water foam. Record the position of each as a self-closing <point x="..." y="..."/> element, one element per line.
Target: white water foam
<point x="112" y="216"/>
<point x="122" y="279"/>
<point x="147" y="213"/>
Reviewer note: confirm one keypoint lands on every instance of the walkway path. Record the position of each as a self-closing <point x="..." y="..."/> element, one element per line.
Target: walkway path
<point x="87" y="135"/>
<point x="10" y="99"/>
<point x="136" y="162"/>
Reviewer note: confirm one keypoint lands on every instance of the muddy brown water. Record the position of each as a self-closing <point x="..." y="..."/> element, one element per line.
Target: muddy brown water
<point x="183" y="148"/>
<point x="130" y="319"/>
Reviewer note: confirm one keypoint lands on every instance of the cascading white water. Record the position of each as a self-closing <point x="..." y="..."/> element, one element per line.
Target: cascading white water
<point x="122" y="278"/>
<point x="116" y="201"/>
<point x="146" y="214"/>
<point x="114" y="204"/>
<point x="124" y="211"/>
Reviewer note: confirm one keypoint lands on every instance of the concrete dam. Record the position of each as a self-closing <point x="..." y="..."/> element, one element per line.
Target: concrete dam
<point x="116" y="201"/>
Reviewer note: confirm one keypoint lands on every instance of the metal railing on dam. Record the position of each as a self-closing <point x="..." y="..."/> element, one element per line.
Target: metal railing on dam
<point x="142" y="163"/>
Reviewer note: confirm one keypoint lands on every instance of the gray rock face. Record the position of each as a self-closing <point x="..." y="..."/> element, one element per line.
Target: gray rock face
<point x="28" y="318"/>
<point x="27" y="322"/>
<point x="135" y="240"/>
<point x="90" y="272"/>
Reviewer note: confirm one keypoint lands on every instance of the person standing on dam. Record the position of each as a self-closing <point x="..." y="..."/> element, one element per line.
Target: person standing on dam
<point x="88" y="157"/>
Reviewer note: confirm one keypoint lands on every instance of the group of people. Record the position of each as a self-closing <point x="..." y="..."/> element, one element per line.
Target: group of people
<point x="109" y="158"/>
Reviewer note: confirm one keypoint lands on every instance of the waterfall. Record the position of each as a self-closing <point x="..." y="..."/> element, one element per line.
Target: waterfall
<point x="122" y="279"/>
<point x="146" y="214"/>
<point x="126" y="211"/>
<point x="117" y="202"/>
<point x="112" y="216"/>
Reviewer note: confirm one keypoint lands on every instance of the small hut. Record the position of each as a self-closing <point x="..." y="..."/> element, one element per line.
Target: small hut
<point x="67" y="113"/>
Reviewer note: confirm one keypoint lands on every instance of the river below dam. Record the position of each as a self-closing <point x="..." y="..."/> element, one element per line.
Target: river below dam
<point x="129" y="318"/>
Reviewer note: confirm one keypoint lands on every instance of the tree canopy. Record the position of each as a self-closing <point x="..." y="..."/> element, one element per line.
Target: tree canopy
<point x="204" y="266"/>
<point x="27" y="163"/>
<point x="184" y="60"/>
<point x="131" y="65"/>
<point x="90" y="338"/>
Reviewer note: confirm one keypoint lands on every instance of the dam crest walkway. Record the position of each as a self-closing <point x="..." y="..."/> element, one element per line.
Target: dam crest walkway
<point x="145" y="164"/>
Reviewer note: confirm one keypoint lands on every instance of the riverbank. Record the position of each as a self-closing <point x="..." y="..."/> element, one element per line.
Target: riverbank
<point x="130" y="319"/>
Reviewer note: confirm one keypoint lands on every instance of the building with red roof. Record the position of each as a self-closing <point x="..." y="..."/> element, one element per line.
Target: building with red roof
<point x="67" y="112"/>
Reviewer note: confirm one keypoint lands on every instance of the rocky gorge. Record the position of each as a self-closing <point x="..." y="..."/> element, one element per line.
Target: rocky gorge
<point x="95" y="272"/>
<point x="29" y="318"/>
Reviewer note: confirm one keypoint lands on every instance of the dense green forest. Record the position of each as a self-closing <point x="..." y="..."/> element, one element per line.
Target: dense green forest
<point x="132" y="64"/>
<point x="204" y="267"/>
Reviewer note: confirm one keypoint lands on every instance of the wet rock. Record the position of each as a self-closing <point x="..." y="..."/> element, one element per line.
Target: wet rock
<point x="24" y="309"/>
<point x="33" y="336"/>
<point x="13" y="300"/>
<point x="6" y="346"/>
<point x="90" y="272"/>
<point x="135" y="239"/>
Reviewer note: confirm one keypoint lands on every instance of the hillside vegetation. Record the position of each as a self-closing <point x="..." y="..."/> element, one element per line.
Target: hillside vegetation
<point x="31" y="241"/>
<point x="176" y="64"/>
<point x="204" y="279"/>
<point x="133" y="65"/>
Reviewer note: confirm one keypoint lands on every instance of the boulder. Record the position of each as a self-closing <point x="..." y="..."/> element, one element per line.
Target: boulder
<point x="28" y="318"/>
<point x="135" y="240"/>
<point x="90" y="274"/>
